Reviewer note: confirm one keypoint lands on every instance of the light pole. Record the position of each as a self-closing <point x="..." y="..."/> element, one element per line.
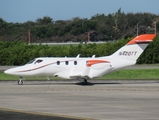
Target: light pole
<point x="155" y="27"/>
<point x="28" y="37"/>
<point x="155" y="23"/>
<point x="137" y="29"/>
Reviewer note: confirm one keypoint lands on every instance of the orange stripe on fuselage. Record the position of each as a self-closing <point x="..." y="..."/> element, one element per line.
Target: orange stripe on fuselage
<point x="92" y="62"/>
<point x="146" y="38"/>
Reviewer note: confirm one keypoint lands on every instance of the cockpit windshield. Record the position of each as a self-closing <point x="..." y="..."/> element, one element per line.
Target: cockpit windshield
<point x="30" y="62"/>
<point x="38" y="61"/>
<point x="35" y="61"/>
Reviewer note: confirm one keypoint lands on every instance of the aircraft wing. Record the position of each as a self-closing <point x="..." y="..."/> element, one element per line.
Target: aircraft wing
<point x="84" y="75"/>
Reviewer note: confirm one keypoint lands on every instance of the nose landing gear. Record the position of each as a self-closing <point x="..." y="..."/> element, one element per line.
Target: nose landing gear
<point x="20" y="82"/>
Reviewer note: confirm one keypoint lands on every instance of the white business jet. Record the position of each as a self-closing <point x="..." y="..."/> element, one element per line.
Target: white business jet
<point x="84" y="69"/>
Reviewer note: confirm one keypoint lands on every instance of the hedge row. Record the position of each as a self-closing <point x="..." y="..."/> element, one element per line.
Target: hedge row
<point x="19" y="53"/>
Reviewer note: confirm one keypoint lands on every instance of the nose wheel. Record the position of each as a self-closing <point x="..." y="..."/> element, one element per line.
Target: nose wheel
<point x="20" y="82"/>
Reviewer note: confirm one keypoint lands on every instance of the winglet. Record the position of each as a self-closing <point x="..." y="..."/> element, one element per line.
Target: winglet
<point x="145" y="38"/>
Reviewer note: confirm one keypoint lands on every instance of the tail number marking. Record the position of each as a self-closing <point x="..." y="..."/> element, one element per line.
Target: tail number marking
<point x="128" y="53"/>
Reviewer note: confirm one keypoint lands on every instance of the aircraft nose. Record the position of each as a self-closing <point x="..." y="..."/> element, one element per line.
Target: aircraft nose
<point x="7" y="71"/>
<point x="10" y="71"/>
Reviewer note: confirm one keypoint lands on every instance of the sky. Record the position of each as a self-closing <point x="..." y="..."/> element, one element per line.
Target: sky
<point x="30" y="10"/>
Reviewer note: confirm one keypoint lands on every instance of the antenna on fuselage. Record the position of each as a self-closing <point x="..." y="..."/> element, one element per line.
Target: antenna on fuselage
<point x="93" y="56"/>
<point x="78" y="56"/>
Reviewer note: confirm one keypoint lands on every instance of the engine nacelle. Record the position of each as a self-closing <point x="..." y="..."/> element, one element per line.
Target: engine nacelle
<point x="98" y="70"/>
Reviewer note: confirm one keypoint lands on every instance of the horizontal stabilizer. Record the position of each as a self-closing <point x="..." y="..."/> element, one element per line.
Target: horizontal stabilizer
<point x="145" y="38"/>
<point x="142" y="42"/>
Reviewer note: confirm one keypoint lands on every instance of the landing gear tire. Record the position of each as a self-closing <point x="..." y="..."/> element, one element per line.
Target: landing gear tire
<point x="20" y="82"/>
<point x="84" y="82"/>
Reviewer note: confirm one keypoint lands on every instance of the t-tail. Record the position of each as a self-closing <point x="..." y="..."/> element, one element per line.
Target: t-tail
<point x="134" y="48"/>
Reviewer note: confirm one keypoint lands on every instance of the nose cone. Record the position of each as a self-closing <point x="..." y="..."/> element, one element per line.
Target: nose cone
<point x="19" y="71"/>
<point x="9" y="71"/>
<point x="12" y="71"/>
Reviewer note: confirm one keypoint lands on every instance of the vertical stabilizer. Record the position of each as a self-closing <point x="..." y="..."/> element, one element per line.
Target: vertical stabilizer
<point x="134" y="48"/>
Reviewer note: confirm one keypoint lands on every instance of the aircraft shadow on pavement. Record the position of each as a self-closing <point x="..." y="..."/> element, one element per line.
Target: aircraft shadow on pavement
<point x="96" y="83"/>
<point x="71" y="83"/>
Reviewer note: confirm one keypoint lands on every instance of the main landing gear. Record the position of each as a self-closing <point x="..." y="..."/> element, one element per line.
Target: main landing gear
<point x="83" y="81"/>
<point x="20" y="82"/>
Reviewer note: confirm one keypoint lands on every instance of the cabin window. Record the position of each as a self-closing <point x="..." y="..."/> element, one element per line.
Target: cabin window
<point x="75" y="62"/>
<point x="58" y="62"/>
<point x="86" y="62"/>
<point x="66" y="62"/>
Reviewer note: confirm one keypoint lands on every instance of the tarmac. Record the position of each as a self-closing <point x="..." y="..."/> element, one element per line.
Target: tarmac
<point x="68" y="100"/>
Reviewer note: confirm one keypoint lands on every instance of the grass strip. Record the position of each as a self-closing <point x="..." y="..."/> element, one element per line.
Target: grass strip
<point x="133" y="74"/>
<point x="126" y="74"/>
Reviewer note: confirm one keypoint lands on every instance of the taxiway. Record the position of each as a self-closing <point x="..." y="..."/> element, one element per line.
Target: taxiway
<point x="112" y="100"/>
